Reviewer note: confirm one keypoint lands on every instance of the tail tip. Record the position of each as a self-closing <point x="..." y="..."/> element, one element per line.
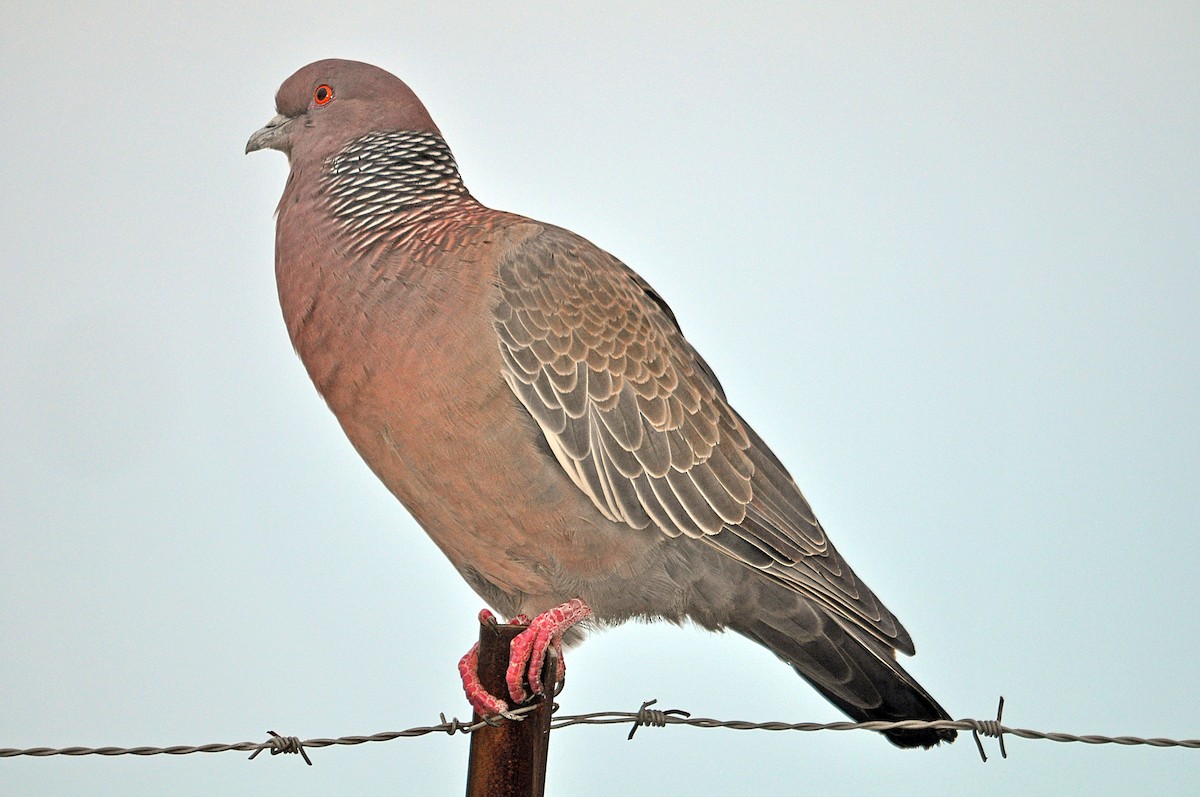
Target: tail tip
<point x="924" y="738"/>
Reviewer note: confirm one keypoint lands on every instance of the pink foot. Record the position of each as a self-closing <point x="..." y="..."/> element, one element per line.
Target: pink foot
<point x="527" y="652"/>
<point x="484" y="703"/>
<point x="481" y="700"/>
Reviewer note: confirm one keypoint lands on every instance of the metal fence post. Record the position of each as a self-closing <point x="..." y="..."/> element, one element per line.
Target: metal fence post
<point x="508" y="760"/>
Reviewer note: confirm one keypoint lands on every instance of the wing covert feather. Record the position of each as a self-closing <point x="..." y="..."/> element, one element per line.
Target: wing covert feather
<point x="639" y="422"/>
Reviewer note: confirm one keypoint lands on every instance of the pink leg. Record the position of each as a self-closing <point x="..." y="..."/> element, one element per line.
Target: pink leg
<point x="528" y="650"/>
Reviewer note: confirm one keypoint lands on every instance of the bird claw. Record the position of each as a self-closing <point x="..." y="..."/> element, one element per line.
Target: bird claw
<point x="559" y="664"/>
<point x="493" y="720"/>
<point x="527" y="652"/>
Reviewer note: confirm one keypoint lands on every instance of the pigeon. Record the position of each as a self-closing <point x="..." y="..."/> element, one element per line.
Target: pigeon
<point x="534" y="404"/>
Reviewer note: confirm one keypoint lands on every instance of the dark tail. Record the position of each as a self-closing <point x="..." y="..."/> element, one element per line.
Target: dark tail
<point x="857" y="674"/>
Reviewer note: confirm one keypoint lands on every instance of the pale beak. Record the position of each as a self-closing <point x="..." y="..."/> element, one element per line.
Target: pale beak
<point x="273" y="136"/>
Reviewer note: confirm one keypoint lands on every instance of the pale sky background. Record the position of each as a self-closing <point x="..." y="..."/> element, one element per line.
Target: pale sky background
<point x="945" y="259"/>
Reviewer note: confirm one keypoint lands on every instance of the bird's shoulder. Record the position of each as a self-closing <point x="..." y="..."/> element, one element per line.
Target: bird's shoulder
<point x="598" y="358"/>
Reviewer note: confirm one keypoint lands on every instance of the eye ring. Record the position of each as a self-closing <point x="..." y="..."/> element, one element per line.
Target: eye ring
<point x="322" y="94"/>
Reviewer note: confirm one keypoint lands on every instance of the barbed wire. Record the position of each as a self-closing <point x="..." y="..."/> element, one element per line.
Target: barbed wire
<point x="646" y="716"/>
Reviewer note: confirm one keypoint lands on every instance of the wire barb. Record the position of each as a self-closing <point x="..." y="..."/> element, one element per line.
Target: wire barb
<point x="453" y="726"/>
<point x="283" y="744"/>
<point x="991" y="728"/>
<point x="652" y="716"/>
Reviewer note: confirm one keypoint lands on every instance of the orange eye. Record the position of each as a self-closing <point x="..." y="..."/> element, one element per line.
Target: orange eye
<point x="322" y="95"/>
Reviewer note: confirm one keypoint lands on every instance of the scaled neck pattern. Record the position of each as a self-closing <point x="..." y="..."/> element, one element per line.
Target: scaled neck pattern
<point x="387" y="187"/>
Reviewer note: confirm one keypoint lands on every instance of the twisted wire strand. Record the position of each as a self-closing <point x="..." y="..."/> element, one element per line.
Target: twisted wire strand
<point x="643" y="717"/>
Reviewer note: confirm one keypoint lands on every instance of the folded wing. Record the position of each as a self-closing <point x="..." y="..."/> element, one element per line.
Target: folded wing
<point x="640" y="423"/>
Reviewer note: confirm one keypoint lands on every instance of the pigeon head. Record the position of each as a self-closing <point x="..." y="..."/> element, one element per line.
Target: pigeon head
<point x="327" y="103"/>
